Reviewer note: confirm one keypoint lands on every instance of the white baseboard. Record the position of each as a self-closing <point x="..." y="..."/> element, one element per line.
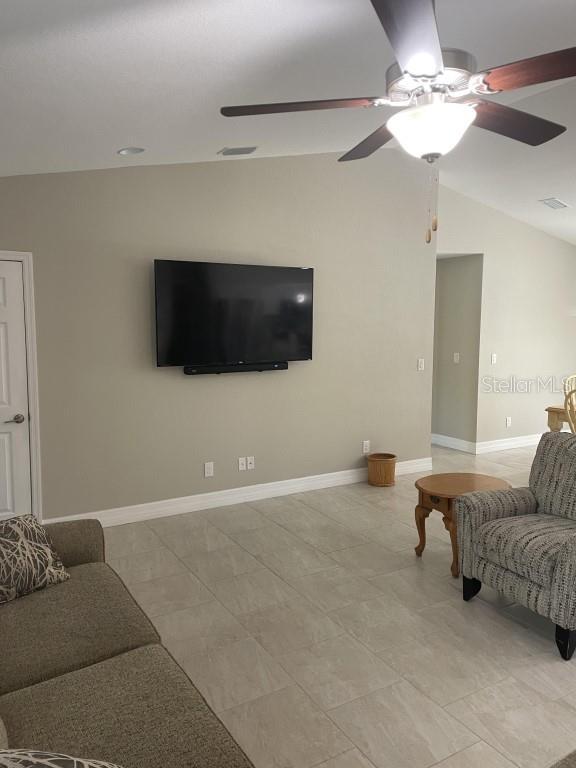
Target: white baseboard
<point x="507" y="443"/>
<point x="489" y="446"/>
<point x="200" y="501"/>
<point x="445" y="441"/>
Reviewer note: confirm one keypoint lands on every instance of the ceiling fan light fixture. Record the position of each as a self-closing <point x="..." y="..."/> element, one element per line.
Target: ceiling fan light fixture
<point x="422" y="65"/>
<point x="431" y="130"/>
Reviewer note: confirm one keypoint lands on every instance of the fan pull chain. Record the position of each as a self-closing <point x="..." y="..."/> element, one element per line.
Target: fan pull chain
<point x="428" y="207"/>
<point x="432" y="201"/>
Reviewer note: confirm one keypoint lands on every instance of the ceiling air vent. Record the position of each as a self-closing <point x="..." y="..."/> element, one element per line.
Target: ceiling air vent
<point x="234" y="151"/>
<point x="553" y="202"/>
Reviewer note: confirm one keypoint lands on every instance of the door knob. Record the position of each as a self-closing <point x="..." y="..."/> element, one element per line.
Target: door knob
<point x="18" y="419"/>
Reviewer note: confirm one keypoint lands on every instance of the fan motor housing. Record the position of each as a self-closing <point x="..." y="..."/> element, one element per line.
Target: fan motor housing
<point x="459" y="66"/>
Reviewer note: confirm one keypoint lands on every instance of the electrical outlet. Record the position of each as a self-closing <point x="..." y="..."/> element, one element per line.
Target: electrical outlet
<point x="250" y="462"/>
<point x="420" y="366"/>
<point x="493" y="358"/>
<point x="508" y="421"/>
<point x="208" y="469"/>
<point x="456" y="358"/>
<point x="242" y="464"/>
<point x="366" y="447"/>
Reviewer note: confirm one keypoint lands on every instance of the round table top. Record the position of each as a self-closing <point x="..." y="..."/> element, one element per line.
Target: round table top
<point x="453" y="484"/>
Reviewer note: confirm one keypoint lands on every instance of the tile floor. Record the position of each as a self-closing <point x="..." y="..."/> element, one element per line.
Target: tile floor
<point x="321" y="640"/>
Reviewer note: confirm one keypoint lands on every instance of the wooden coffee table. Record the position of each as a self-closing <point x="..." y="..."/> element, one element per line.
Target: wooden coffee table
<point x="437" y="492"/>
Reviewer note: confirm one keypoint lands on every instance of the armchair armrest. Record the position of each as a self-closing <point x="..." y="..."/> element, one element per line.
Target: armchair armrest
<point x="475" y="509"/>
<point x="78" y="542"/>
<point x="563" y="590"/>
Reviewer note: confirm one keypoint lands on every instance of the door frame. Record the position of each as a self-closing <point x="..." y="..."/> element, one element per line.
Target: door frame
<point x="26" y="259"/>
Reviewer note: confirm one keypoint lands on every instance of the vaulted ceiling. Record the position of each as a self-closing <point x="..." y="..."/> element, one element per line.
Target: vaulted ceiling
<point x="81" y="78"/>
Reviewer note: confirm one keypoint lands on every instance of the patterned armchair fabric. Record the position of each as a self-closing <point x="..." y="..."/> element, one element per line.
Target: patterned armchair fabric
<point x="522" y="541"/>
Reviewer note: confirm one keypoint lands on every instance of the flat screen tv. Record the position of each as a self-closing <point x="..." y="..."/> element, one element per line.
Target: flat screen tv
<point x="212" y="316"/>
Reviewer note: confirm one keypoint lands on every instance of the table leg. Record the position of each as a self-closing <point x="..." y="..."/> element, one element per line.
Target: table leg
<point x="555" y="423"/>
<point x="421" y="513"/>
<point x="450" y="525"/>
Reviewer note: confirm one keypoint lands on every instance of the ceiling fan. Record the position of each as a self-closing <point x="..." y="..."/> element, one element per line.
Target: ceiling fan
<point x="440" y="88"/>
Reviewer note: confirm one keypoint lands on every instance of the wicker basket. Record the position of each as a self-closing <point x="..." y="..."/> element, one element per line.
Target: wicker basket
<point x="382" y="469"/>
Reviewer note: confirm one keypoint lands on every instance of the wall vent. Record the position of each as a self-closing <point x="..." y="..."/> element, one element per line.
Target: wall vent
<point x="234" y="151"/>
<point x="553" y="202"/>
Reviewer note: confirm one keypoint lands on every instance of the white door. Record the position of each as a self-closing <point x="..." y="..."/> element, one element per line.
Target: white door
<point x="15" y="489"/>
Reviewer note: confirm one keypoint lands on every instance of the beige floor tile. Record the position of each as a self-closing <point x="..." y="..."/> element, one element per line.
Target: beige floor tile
<point x="237" y="673"/>
<point x="225" y="563"/>
<point x="479" y="755"/>
<point x="176" y="524"/>
<point x="253" y="592"/>
<point x="130" y="539"/>
<point x="315" y="529"/>
<point x="200" y="538"/>
<point x="285" y="730"/>
<point x="206" y="627"/>
<point x="265" y="539"/>
<point x="338" y="670"/>
<point x="269" y="507"/>
<point x="291" y="626"/>
<point x="357" y="516"/>
<point x="381" y="623"/>
<point x="171" y="593"/>
<point x="441" y="669"/>
<point x="330" y="537"/>
<point x="416" y="588"/>
<point x="297" y="516"/>
<point x="372" y="560"/>
<point x="352" y="759"/>
<point x="538" y="624"/>
<point x="521" y="724"/>
<point x="477" y="626"/>
<point x="236" y="518"/>
<point x="395" y="536"/>
<point x="547" y="673"/>
<point x="296" y="560"/>
<point x="329" y="500"/>
<point x="399" y="727"/>
<point x="146" y="566"/>
<point x="334" y="588"/>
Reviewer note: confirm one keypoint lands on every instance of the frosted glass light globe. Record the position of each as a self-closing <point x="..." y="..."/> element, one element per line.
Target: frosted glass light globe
<point x="431" y="130"/>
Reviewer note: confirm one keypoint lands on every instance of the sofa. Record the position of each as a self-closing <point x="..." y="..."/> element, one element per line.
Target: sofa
<point x="83" y="673"/>
<point x="522" y="541"/>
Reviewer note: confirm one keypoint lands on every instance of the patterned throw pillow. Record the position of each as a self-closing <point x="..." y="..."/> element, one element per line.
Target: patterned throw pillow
<point x="27" y="559"/>
<point x="21" y="758"/>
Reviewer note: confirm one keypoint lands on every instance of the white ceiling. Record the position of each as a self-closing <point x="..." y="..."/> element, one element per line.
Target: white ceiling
<point x="81" y="78"/>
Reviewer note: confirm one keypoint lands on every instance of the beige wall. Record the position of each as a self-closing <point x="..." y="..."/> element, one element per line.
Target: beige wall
<point x="528" y="311"/>
<point x="117" y="431"/>
<point x="457" y="329"/>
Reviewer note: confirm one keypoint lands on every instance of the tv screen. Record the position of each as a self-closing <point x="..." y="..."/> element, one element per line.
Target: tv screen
<point x="210" y="314"/>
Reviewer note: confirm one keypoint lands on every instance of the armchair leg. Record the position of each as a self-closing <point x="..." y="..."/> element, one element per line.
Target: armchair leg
<point x="566" y="642"/>
<point x="470" y="588"/>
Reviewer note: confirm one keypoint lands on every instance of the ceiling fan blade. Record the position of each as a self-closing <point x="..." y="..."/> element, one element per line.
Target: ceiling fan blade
<point x="299" y="106"/>
<point x="521" y="126"/>
<point x="369" y="145"/>
<point x="410" y="25"/>
<point x="539" y="69"/>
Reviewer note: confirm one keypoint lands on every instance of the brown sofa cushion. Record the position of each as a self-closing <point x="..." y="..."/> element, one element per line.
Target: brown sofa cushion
<point x="87" y="619"/>
<point x="28" y="560"/>
<point x="138" y="710"/>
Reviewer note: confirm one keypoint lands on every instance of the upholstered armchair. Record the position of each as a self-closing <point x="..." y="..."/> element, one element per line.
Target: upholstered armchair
<point x="522" y="541"/>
